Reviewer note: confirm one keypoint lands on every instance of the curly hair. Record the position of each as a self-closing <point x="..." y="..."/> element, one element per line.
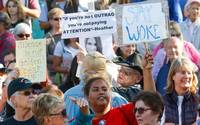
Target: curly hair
<point x="44" y="105"/>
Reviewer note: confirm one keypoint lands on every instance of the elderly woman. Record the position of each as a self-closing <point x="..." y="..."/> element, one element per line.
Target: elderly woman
<point x="49" y="110"/>
<point x="23" y="31"/>
<point x="181" y="100"/>
<point x="148" y="108"/>
<point x="191" y="26"/>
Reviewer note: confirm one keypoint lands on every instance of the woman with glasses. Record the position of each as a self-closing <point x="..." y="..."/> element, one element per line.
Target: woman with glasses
<point x="49" y="110"/>
<point x="181" y="99"/>
<point x="15" y="12"/>
<point x="23" y="31"/>
<point x="148" y="108"/>
<point x="53" y="37"/>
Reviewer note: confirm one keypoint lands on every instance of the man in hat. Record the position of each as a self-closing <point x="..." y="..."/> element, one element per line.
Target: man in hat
<point x="129" y="78"/>
<point x="7" y="39"/>
<point x="21" y="98"/>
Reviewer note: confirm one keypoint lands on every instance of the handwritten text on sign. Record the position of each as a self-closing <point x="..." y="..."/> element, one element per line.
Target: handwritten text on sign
<point x="31" y="59"/>
<point x="143" y="23"/>
<point x="88" y="24"/>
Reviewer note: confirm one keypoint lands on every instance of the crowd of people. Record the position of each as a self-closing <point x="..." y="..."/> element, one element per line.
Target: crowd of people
<point x="158" y="86"/>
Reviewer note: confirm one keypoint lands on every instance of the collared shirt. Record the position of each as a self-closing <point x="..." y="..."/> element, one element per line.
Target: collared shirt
<point x="128" y="93"/>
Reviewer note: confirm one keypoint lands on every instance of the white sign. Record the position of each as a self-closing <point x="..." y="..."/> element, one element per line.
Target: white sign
<point x="31" y="59"/>
<point x="88" y="24"/>
<point x="143" y="23"/>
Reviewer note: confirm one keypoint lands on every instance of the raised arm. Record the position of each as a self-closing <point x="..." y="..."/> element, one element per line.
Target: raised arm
<point x="147" y="64"/>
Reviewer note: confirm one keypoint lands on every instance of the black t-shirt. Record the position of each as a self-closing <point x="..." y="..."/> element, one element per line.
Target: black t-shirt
<point x="12" y="121"/>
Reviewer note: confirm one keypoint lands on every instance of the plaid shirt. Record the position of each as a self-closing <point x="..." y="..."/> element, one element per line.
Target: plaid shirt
<point x="189" y="108"/>
<point x="7" y="43"/>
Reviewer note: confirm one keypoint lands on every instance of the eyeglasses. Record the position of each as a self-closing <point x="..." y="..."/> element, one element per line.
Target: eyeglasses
<point x="175" y="35"/>
<point x="57" y="18"/>
<point x="141" y="110"/>
<point x="62" y="113"/>
<point x="124" y="71"/>
<point x="27" y="92"/>
<point x="8" y="70"/>
<point x="23" y="35"/>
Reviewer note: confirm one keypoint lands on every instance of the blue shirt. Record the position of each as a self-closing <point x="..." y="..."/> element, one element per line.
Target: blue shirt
<point x="73" y="110"/>
<point x="161" y="81"/>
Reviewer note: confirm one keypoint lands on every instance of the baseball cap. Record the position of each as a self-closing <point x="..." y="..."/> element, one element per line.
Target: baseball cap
<point x="18" y="84"/>
<point x="120" y="61"/>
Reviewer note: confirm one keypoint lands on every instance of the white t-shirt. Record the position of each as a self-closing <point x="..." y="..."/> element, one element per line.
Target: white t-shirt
<point x="179" y="104"/>
<point x="66" y="52"/>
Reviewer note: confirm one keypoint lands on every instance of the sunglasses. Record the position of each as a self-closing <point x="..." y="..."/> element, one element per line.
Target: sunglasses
<point x="62" y="113"/>
<point x="57" y="18"/>
<point x="175" y="35"/>
<point x="141" y="110"/>
<point x="27" y="92"/>
<point x="23" y="35"/>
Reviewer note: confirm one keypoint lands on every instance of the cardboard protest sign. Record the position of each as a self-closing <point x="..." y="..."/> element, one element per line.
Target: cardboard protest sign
<point x="88" y="24"/>
<point x="102" y="44"/>
<point x="143" y="22"/>
<point x="31" y="59"/>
